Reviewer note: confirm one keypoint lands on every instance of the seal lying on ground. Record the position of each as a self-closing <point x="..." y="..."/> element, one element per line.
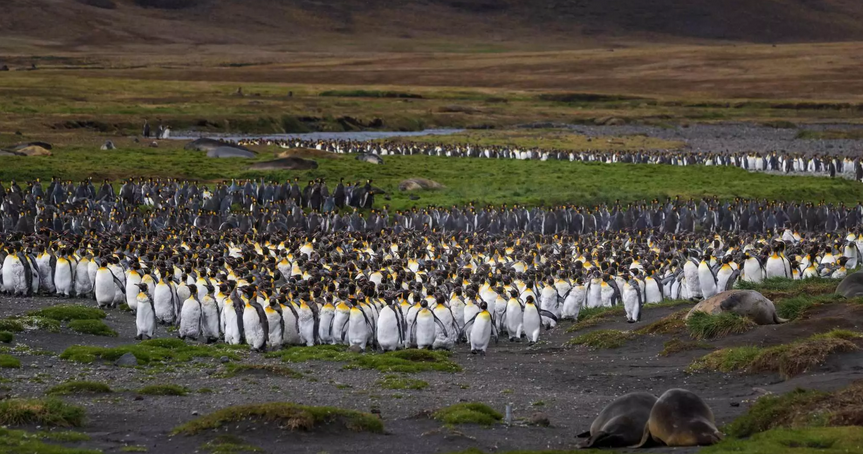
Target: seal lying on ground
<point x="746" y="303"/>
<point x="621" y="423"/>
<point x="229" y="152"/>
<point x="680" y="418"/>
<point x="852" y="285"/>
<point x="285" y="164"/>
<point x="370" y="158"/>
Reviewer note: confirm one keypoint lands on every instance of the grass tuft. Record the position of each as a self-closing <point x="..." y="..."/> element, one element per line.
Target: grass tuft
<point x="29" y="323"/>
<point x="134" y="448"/>
<point x="468" y="413"/>
<point x="315" y="353"/>
<point x="164" y="390"/>
<point x="725" y="360"/>
<point x="94" y="327"/>
<point x="669" y="324"/>
<point x="399" y="382"/>
<point x="150" y="351"/>
<point x="9" y="362"/>
<point x="603" y="338"/>
<point x="79" y="387"/>
<point x="676" y="346"/>
<point x="43" y="412"/>
<point x="702" y="325"/>
<point x="67" y="312"/>
<point x="6" y="337"/>
<point x="404" y="361"/>
<point x="19" y="441"/>
<point x="827" y="440"/>
<point x="14" y="326"/>
<point x="288" y="415"/>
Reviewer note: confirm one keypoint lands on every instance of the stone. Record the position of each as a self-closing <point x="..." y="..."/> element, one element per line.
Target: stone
<point x="127" y="360"/>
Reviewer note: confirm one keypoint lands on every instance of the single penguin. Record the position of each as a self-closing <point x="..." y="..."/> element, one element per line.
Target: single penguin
<point x="103" y="286"/>
<point x="632" y="301"/>
<point x="255" y="324"/>
<point x="481" y="327"/>
<point x="145" y="316"/>
<point x="389" y="327"/>
<point x="191" y="317"/>
<point x="210" y="329"/>
<point x="532" y="320"/>
<point x="359" y="327"/>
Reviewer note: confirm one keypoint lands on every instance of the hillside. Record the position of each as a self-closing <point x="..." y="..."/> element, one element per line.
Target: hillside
<point x="38" y="26"/>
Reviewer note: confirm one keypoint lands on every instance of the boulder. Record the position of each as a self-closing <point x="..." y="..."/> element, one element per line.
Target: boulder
<point x="746" y="303"/>
<point x="852" y="285"/>
<point x="127" y="360"/>
<point x="413" y="184"/>
<point x="285" y="164"/>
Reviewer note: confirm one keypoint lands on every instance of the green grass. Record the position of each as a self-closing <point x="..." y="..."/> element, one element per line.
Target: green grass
<point x="777" y="289"/>
<point x="66" y="312"/>
<point x="811" y="440"/>
<point x="20" y="323"/>
<point x="468" y="413"/>
<point x="164" y="390"/>
<point x="11" y="325"/>
<point x="603" y="338"/>
<point x="234" y="369"/>
<point x="672" y="323"/>
<point x="676" y="346"/>
<point x="702" y="325"/>
<point x="165" y="350"/>
<point x="134" y="449"/>
<point x="9" y="362"/>
<point x="788" y="360"/>
<point x="830" y="134"/>
<point x="228" y="444"/>
<point x="94" y="327"/>
<point x="44" y="412"/>
<point x="404" y="361"/>
<point x="79" y="387"/>
<point x="593" y="316"/>
<point x="399" y="382"/>
<point x="6" y="337"/>
<point x="22" y="442"/>
<point x="288" y="415"/>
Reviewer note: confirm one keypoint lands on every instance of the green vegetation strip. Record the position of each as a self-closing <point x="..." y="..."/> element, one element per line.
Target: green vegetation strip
<point x="702" y="325"/>
<point x="399" y="382"/>
<point x="403" y="361"/>
<point x="22" y="442"/>
<point x="94" y="327"/>
<point x="6" y="337"/>
<point x="603" y="338"/>
<point x="150" y="351"/>
<point x="468" y="413"/>
<point x="67" y="312"/>
<point x="43" y="412"/>
<point x="287" y="415"/>
<point x="164" y="390"/>
<point x="788" y="360"/>
<point x="79" y="387"/>
<point x="9" y="362"/>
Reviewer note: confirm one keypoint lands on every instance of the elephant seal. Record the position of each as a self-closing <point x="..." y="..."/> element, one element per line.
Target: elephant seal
<point x="229" y="152"/>
<point x="285" y="164"/>
<point x="621" y="423"/>
<point x="413" y="184"/>
<point x="370" y="158"/>
<point x="852" y="285"/>
<point x="206" y="144"/>
<point x="680" y="418"/>
<point x="746" y="303"/>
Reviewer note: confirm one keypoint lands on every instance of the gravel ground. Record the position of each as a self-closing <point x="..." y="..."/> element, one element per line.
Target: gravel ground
<point x="737" y="137"/>
<point x="569" y="385"/>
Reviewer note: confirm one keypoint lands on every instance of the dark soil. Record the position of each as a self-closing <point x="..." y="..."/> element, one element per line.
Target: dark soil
<point x="569" y="385"/>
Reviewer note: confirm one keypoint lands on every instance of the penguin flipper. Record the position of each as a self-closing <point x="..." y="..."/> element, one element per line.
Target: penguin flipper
<point x="729" y="284"/>
<point x="547" y="314"/>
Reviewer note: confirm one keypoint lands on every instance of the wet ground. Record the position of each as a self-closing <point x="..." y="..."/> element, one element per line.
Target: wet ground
<point x="568" y="385"/>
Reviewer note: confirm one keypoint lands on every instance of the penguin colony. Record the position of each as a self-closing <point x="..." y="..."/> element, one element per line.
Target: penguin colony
<point x="270" y="275"/>
<point x="846" y="166"/>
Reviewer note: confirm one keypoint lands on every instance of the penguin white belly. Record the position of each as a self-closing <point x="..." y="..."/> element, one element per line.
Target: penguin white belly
<point x="324" y="328"/>
<point x="631" y="303"/>
<point x="652" y="292"/>
<point x="457" y="308"/>
<point x="388" y="330"/>
<point x="470" y="312"/>
<point x="163" y="300"/>
<point x="307" y="326"/>
<point x="358" y="330"/>
<point x="190" y="320"/>
<point x="706" y="281"/>
<point x="276" y="337"/>
<point x="292" y="328"/>
<point x="145" y="318"/>
<point x="514" y="320"/>
<point x="83" y="283"/>
<point x="480" y="333"/>
<point x="232" y="329"/>
<point x="63" y="283"/>
<point x="119" y="294"/>
<point x="46" y="280"/>
<point x="132" y="290"/>
<point x="606" y="295"/>
<point x="690" y="271"/>
<point x="340" y="325"/>
<point x="573" y="303"/>
<point x="254" y="329"/>
<point x="549" y="301"/>
<point x="722" y="277"/>
<point x="594" y="296"/>
<point x="532" y="322"/>
<point x="752" y="271"/>
<point x="104" y="287"/>
<point x="444" y="337"/>
<point x="775" y="268"/>
<point x="425" y="328"/>
<point x="92" y="267"/>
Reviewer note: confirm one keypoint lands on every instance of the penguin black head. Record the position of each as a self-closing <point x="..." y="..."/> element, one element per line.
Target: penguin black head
<point x="143" y="287"/>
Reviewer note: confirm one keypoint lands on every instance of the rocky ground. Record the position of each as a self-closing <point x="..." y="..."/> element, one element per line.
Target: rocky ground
<point x="568" y="385"/>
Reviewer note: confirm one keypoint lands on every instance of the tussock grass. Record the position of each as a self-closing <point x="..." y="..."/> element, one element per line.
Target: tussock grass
<point x="164" y="390"/>
<point x="702" y="325"/>
<point x="150" y="351"/>
<point x="589" y="317"/>
<point x="669" y="324"/>
<point x="94" y="327"/>
<point x="288" y="415"/>
<point x="676" y="346"/>
<point x="20" y="323"/>
<point x="44" y="412"/>
<point x="11" y="325"/>
<point x="468" y="413"/>
<point x="315" y="353"/>
<point x="404" y="361"/>
<point x="228" y="444"/>
<point x="776" y="289"/>
<point x="9" y="362"/>
<point x="67" y="312"/>
<point x="826" y="440"/>
<point x="79" y="387"/>
<point x="6" y="337"/>
<point x="603" y="338"/>
<point x="19" y="441"/>
<point x="788" y="360"/>
<point x="234" y="369"/>
<point x="399" y="382"/>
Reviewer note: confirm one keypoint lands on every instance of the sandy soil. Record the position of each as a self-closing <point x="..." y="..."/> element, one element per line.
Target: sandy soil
<point x="568" y="385"/>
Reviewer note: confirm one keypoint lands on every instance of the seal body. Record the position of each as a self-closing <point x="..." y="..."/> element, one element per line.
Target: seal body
<point x="680" y="418"/>
<point x="621" y="423"/>
<point x="746" y="303"/>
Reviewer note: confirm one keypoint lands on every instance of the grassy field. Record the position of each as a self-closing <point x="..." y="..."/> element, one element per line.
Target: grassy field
<point x="479" y="180"/>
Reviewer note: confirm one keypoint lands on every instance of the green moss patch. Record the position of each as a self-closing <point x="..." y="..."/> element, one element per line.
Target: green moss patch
<point x="403" y="361"/>
<point x="677" y="346"/>
<point x="20" y="323"/>
<point x="19" y="441"/>
<point x="44" y="412"/>
<point x="315" y="353"/>
<point x="468" y="413"/>
<point x="94" y="327"/>
<point x="702" y="325"/>
<point x="79" y="387"/>
<point x="673" y="323"/>
<point x="67" y="312"/>
<point x="150" y="351"/>
<point x="9" y="362"/>
<point x="6" y="337"/>
<point x="822" y="440"/>
<point x="288" y="415"/>
<point x="593" y="316"/>
<point x="603" y="338"/>
<point x="228" y="444"/>
<point x="164" y="390"/>
<point x="399" y="382"/>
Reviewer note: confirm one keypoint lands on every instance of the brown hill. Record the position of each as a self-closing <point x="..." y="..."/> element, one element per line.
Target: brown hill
<point x="34" y="26"/>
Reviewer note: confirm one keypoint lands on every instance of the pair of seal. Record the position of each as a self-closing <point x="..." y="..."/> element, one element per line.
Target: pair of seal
<point x="678" y="418"/>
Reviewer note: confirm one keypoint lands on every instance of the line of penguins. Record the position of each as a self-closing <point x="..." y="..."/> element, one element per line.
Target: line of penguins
<point x="398" y="290"/>
<point x="274" y="207"/>
<point x="844" y="165"/>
